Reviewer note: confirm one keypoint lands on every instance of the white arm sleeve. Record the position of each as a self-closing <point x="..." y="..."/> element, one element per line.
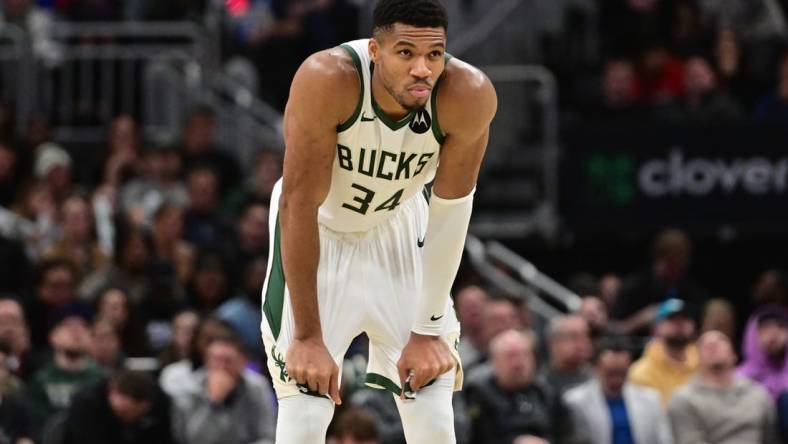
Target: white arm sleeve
<point x="443" y="246"/>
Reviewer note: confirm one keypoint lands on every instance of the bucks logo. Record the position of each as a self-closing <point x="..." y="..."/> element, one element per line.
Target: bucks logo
<point x="279" y="361"/>
<point x="421" y="122"/>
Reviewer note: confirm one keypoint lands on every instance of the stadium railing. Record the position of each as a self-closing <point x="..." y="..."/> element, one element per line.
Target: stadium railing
<point x="15" y="72"/>
<point x="507" y="271"/>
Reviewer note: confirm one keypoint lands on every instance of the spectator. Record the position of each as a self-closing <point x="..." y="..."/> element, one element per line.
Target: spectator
<point x="243" y="312"/>
<point x="157" y="184"/>
<point x="129" y="268"/>
<point x="229" y="405"/>
<point x="619" y="99"/>
<point x="70" y="369"/>
<point x="719" y="315"/>
<point x="670" y="359"/>
<point x="203" y="226"/>
<point x="267" y="170"/>
<point x="774" y="107"/>
<point x="659" y="82"/>
<point x="127" y="409"/>
<point x="594" y="311"/>
<point x="499" y="315"/>
<point x="782" y="411"/>
<point x="15" y="333"/>
<point x="771" y="288"/>
<point x="667" y="278"/>
<point x="729" y="63"/>
<point x="106" y="345"/>
<point x="703" y="102"/>
<point x="701" y="410"/>
<point x="356" y="426"/>
<point x="9" y="383"/>
<point x="53" y="169"/>
<point x="16" y="426"/>
<point x="122" y="161"/>
<point x="55" y="297"/>
<point x="168" y="243"/>
<point x="470" y="303"/>
<point x="199" y="148"/>
<point x="609" y="286"/>
<point x="9" y="174"/>
<point x="252" y="229"/>
<point x="211" y="284"/>
<point x="765" y="349"/>
<point x="184" y="325"/>
<point x="607" y="409"/>
<point x="570" y="350"/>
<point x="510" y="404"/>
<point x="114" y="305"/>
<point x="177" y="378"/>
<point x="77" y="242"/>
<point x="381" y="405"/>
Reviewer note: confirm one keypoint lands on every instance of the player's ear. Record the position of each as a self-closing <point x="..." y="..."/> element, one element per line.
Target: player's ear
<point x="374" y="50"/>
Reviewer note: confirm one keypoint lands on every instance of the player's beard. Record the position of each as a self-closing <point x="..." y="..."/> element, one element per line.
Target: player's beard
<point x="401" y="97"/>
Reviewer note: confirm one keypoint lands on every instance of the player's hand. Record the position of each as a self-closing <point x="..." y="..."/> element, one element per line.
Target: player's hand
<point x="219" y="384"/>
<point x="423" y="359"/>
<point x="311" y="365"/>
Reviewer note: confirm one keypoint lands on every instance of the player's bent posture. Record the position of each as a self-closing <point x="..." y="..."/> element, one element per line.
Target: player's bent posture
<point x="358" y="244"/>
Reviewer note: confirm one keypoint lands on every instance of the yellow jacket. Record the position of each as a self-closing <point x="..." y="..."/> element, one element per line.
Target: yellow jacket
<point x="658" y="370"/>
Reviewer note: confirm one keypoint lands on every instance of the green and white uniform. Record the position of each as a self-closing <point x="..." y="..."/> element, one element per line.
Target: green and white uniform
<point x="371" y="228"/>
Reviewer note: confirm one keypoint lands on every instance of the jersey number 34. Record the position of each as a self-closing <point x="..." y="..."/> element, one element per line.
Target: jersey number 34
<point x="363" y="201"/>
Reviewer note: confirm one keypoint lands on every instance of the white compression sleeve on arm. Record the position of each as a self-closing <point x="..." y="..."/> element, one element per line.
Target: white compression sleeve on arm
<point x="443" y="246"/>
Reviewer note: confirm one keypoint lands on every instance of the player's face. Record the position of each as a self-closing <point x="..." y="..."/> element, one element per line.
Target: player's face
<point x="409" y="61"/>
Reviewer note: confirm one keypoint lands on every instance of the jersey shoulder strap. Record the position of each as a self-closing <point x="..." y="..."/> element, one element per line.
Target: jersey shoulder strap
<point x="358" y="51"/>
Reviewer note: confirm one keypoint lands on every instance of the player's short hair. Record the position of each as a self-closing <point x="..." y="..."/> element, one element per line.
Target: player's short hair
<point x="418" y="13"/>
<point x="613" y="344"/>
<point x="134" y="384"/>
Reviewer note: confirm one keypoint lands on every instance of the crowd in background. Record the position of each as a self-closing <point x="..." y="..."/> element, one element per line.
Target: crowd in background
<point x="130" y="285"/>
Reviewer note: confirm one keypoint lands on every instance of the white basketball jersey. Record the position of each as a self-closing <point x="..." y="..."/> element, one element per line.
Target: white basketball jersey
<point x="380" y="163"/>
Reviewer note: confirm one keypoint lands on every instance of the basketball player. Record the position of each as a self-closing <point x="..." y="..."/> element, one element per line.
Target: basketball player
<point x="358" y="244"/>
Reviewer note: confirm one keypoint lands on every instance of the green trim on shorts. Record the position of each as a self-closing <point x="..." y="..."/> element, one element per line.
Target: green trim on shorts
<point x="275" y="292"/>
<point x="427" y="193"/>
<point x="378" y="381"/>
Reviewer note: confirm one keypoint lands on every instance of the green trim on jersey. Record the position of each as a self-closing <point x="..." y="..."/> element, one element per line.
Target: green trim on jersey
<point x="436" y="127"/>
<point x="275" y="292"/>
<point x="356" y="61"/>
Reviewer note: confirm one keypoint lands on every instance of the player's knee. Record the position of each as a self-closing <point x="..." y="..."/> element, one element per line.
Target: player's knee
<point x="303" y="420"/>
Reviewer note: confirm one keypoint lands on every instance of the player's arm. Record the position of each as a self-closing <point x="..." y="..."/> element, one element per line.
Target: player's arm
<point x="467" y="104"/>
<point x="318" y="102"/>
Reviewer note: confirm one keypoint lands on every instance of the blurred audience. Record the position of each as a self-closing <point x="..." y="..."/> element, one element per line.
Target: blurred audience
<point x="356" y="426"/>
<point x="719" y="407"/>
<point x="594" y="311"/>
<point x="470" y="304"/>
<point x="703" y="101"/>
<point x="15" y="333"/>
<point x="670" y="358"/>
<point x="570" y="350"/>
<point x="199" y="148"/>
<point x="128" y="408"/>
<point x="719" y="314"/>
<point x="511" y="404"/>
<point x="607" y="409"/>
<point x="765" y="349"/>
<point x="55" y="298"/>
<point x="231" y="404"/>
<point x="668" y="278"/>
<point x="71" y="368"/>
